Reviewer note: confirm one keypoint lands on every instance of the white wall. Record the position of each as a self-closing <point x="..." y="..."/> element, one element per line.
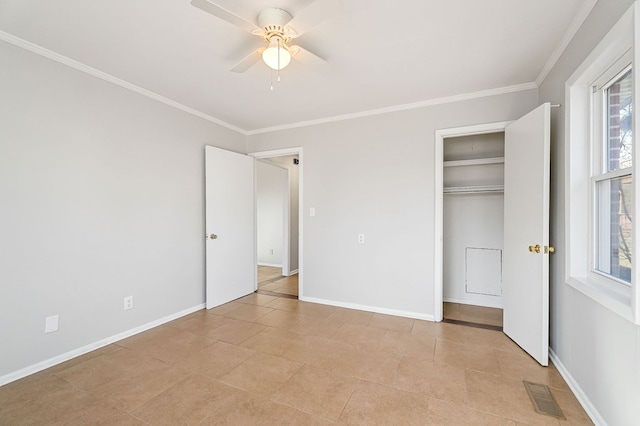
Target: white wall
<point x="101" y="194"/>
<point x="375" y="175"/>
<point x="294" y="217"/>
<point x="271" y="193"/>
<point x="294" y="202"/>
<point x="599" y="349"/>
<point x="477" y="221"/>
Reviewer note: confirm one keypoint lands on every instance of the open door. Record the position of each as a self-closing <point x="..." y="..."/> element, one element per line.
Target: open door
<point x="526" y="233"/>
<point x="230" y="226"/>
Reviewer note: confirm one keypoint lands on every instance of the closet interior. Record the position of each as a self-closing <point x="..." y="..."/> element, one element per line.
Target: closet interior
<point x="473" y="178"/>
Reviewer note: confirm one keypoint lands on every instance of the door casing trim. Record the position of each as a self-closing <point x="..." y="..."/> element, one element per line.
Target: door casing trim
<point x="280" y="153"/>
<point x="440" y="135"/>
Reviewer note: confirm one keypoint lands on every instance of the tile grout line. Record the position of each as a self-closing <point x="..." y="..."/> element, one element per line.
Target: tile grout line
<point x="350" y="396"/>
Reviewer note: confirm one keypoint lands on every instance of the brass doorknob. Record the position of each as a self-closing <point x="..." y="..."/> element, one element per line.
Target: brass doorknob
<point x="550" y="249"/>
<point x="213" y="236"/>
<point x="535" y="248"/>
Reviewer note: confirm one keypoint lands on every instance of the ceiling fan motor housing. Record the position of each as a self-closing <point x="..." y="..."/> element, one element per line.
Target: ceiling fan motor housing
<point x="273" y="21"/>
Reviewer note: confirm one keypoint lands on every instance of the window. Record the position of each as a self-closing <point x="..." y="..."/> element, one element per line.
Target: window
<point x="612" y="176"/>
<point x="600" y="193"/>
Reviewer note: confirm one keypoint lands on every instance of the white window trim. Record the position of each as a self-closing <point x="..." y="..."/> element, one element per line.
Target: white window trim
<point x="599" y="167"/>
<point x="621" y="299"/>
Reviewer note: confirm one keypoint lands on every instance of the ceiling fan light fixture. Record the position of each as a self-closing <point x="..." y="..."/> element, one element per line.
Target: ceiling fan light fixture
<point x="277" y="55"/>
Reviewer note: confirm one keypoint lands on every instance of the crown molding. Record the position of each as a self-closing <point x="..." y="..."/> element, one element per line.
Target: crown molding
<point x="573" y="28"/>
<point x="402" y="107"/>
<point x="39" y="50"/>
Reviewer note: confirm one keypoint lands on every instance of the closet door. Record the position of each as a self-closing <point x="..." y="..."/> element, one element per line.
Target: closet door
<point x="526" y="233"/>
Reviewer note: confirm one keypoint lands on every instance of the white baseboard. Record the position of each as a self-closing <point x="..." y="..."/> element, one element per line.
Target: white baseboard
<point x="367" y="308"/>
<point x="584" y="400"/>
<point x="497" y="304"/>
<point x="294" y="272"/>
<point x="26" y="371"/>
<point x="272" y="265"/>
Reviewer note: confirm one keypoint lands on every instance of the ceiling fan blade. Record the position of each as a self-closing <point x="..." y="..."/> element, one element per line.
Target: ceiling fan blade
<point x="313" y="61"/>
<point x="317" y="12"/>
<point x="249" y="61"/>
<point x="224" y="14"/>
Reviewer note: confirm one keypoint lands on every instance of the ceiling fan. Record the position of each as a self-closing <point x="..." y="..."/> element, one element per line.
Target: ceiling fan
<point x="277" y="28"/>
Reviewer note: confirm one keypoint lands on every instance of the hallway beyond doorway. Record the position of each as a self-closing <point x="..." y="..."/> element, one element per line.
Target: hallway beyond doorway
<point x="272" y="283"/>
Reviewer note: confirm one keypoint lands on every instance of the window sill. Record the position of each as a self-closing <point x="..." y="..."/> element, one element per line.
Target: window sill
<point x="616" y="301"/>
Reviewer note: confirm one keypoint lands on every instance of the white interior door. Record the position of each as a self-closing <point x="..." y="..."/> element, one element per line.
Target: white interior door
<point x="230" y="225"/>
<point x="526" y="223"/>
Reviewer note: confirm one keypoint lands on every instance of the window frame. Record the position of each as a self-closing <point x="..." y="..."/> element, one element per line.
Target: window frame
<point x="622" y="299"/>
<point x="599" y="169"/>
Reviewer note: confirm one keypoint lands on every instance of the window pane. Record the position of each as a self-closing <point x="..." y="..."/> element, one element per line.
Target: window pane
<point x="614" y="227"/>
<point x="618" y="107"/>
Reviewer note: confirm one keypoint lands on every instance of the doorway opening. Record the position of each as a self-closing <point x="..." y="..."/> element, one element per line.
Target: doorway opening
<point x="278" y="222"/>
<point x="473" y="228"/>
<point x="469" y="208"/>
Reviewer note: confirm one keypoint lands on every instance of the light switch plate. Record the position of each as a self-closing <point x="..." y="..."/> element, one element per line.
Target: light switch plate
<point x="51" y="324"/>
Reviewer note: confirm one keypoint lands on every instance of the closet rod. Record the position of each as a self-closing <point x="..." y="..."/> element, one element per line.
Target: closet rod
<point x="476" y="189"/>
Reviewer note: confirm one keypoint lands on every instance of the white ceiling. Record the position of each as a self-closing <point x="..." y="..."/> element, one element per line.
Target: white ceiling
<point x="383" y="53"/>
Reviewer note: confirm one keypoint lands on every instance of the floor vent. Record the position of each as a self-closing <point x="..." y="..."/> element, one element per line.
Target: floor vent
<point x="543" y="401"/>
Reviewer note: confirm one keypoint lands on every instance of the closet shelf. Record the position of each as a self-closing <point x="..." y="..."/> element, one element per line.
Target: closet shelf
<point x="474" y="162"/>
<point x="475" y="189"/>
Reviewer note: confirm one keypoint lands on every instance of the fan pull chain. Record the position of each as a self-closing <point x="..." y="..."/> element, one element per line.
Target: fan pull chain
<point x="279" y="47"/>
<point x="278" y="68"/>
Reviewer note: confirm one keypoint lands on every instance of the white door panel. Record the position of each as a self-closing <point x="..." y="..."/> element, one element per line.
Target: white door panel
<point x="526" y="223"/>
<point x="230" y="226"/>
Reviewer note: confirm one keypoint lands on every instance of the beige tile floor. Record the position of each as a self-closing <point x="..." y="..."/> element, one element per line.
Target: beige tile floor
<point x="279" y="361"/>
<point x="472" y="313"/>
<point x="271" y="279"/>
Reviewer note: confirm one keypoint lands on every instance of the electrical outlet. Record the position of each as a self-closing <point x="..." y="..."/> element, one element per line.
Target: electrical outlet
<point x="128" y="303"/>
<point x="51" y="324"/>
<point x="360" y="238"/>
